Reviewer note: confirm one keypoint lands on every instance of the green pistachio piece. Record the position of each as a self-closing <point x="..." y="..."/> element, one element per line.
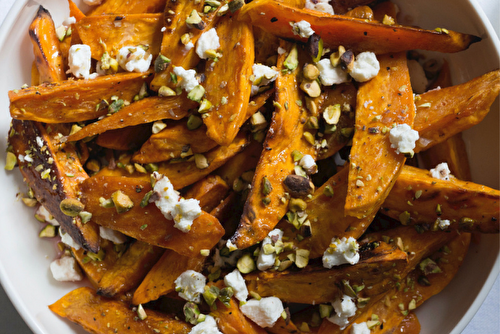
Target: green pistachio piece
<point x="196" y="94"/>
<point x="71" y="207"/>
<point x="292" y="60"/>
<point x="10" y="161"/>
<point x="121" y="201"/>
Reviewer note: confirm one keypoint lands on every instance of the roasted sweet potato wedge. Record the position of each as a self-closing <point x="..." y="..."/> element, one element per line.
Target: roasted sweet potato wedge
<point x="146" y="224"/>
<point x="357" y="34"/>
<point x="343" y="6"/>
<point x="129" y="269"/>
<point x="124" y="139"/>
<point x="409" y="325"/>
<point x="73" y="101"/>
<point x="53" y="171"/>
<point x="374" y="164"/>
<point x="232" y="321"/>
<point x="109" y="33"/>
<point x="97" y="314"/>
<point x="128" y="7"/>
<point x="48" y="55"/>
<point x="418" y="198"/>
<point x="74" y="11"/>
<point x="210" y="191"/>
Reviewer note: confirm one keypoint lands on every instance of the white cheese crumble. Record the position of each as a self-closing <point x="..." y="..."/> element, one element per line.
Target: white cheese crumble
<point x="361" y="328"/>
<point x="172" y="206"/>
<point x="365" y="67"/>
<point x="237" y="282"/>
<point x="320" y="6"/>
<point x="344" y="308"/>
<point x="308" y="164"/>
<point x="79" y="61"/>
<point x="66" y="269"/>
<point x="92" y="2"/>
<point x="266" y="261"/>
<point x="112" y="235"/>
<point x="330" y="75"/>
<point x="190" y="285"/>
<point x="43" y="213"/>
<point x="134" y="59"/>
<point x="443" y="223"/>
<point x="209" y="40"/>
<point x="264" y="312"/>
<point x="303" y="29"/>
<point x="341" y="251"/>
<point x="188" y="78"/>
<point x="403" y="138"/>
<point x="208" y="326"/>
<point x="418" y="79"/>
<point x="262" y="76"/>
<point x="189" y="46"/>
<point x="67" y="240"/>
<point x="69" y="21"/>
<point x="441" y="171"/>
<point x="281" y="50"/>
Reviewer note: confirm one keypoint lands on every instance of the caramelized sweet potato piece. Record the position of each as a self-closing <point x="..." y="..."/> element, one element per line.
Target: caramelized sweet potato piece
<point x="303" y="286"/>
<point x="48" y="56"/>
<point x="232" y="321"/>
<point x="143" y="111"/>
<point x="445" y="112"/>
<point x="129" y="269"/>
<point x="73" y="101"/>
<point x="210" y="191"/>
<point x="53" y="171"/>
<point x="263" y="211"/>
<point x="124" y="139"/>
<point x="374" y="164"/>
<point x="237" y="47"/>
<point x="74" y="11"/>
<point x="409" y="325"/>
<point x="111" y="32"/>
<point x="468" y="206"/>
<point x="283" y="326"/>
<point x="357" y="34"/>
<point x="97" y="314"/>
<point x="128" y="7"/>
<point x="343" y="6"/>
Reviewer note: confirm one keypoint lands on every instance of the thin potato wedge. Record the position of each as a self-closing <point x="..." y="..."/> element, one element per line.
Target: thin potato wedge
<point x="124" y="139"/>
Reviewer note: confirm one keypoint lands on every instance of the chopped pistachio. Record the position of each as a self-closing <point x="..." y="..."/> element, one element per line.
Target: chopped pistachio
<point x="201" y="161"/>
<point x="404" y="218"/>
<point x="296" y="155"/>
<point x="145" y="199"/>
<point x="266" y="186"/>
<point x="258" y="121"/>
<point x="311" y="88"/>
<point x="314" y="47"/>
<point x="74" y="129"/>
<point x="328" y="191"/>
<point x="301" y="258"/>
<point x="312" y="123"/>
<point x="106" y="203"/>
<point x="236" y="5"/>
<point x="297" y="204"/>
<point x="335" y="56"/>
<point x="194" y="122"/>
<point x="61" y="33"/>
<point x="388" y="20"/>
<point x="225" y="295"/>
<point x="310" y="72"/>
<point x="210" y="294"/>
<point x="99" y="256"/>
<point x="194" y="20"/>
<point x="412" y="305"/>
<point x="141" y="313"/>
<point x="429" y="267"/>
<point x="332" y="114"/>
<point x="158" y="126"/>
<point x="10" y="161"/>
<point x="362" y="302"/>
<point x="121" y="201"/>
<point x="161" y="63"/>
<point x="292" y="60"/>
<point x="48" y="231"/>
<point x="325" y="310"/>
<point x="85" y="216"/>
<point x="309" y="137"/>
<point x="348" y="290"/>
<point x="71" y="207"/>
<point x="246" y="264"/>
<point x="205" y="106"/>
<point x="311" y="106"/>
<point x="196" y="94"/>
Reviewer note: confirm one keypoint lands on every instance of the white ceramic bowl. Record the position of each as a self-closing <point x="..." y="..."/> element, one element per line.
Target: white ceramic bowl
<point x="25" y="259"/>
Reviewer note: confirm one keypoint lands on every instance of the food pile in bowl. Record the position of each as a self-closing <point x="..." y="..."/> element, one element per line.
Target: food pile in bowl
<point x="261" y="167"/>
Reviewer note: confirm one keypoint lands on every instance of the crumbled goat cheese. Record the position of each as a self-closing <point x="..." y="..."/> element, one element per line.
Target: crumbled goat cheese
<point x="69" y="21"/>
<point x="403" y="138"/>
<point x="43" y="213"/>
<point x="443" y="223"/>
<point x="266" y="261"/>
<point x="39" y="141"/>
<point x="112" y="235"/>
<point x="67" y="240"/>
<point x="418" y="79"/>
<point x="320" y="6"/>
<point x="188" y="78"/>
<point x="208" y="326"/>
<point x="308" y="164"/>
<point x="237" y="282"/>
<point x="79" y="60"/>
<point x="330" y="75"/>
<point x="264" y="312"/>
<point x="338" y="159"/>
<point x="365" y="67"/>
<point x="344" y="308"/>
<point x="189" y="46"/>
<point x="226" y="261"/>
<point x="303" y="29"/>
<point x="134" y="59"/>
<point x="209" y="40"/>
<point x="341" y="251"/>
<point x="66" y="269"/>
<point x="92" y="2"/>
<point x="190" y="285"/>
<point x="172" y="206"/>
<point x="281" y="50"/>
<point x="263" y="76"/>
<point x="232" y="247"/>
<point x="441" y="171"/>
<point x="361" y="328"/>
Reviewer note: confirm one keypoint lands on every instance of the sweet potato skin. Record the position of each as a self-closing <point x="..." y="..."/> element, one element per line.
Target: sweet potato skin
<point x="97" y="314"/>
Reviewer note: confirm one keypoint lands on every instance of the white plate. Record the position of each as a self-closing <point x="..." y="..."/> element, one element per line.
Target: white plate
<point x="25" y="259"/>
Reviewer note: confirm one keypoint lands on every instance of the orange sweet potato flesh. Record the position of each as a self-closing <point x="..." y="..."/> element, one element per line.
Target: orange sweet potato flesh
<point x="233" y="69"/>
<point x="232" y="321"/>
<point x="374" y="164"/>
<point x="343" y="6"/>
<point x="175" y="15"/>
<point x="210" y="191"/>
<point x="468" y="206"/>
<point x="100" y="315"/>
<point x="129" y="270"/>
<point x="74" y="11"/>
<point x="352" y="33"/>
<point x="409" y="325"/>
<point x="147" y="224"/>
<point x="143" y="111"/>
<point x="124" y="139"/>
<point x="48" y="55"/>
<point x="128" y="7"/>
<point x="276" y="163"/>
<point x="159" y="281"/>
<point x="73" y="101"/>
<point x="58" y="177"/>
<point x="111" y="32"/>
<point x="448" y="111"/>
<point x="316" y="284"/>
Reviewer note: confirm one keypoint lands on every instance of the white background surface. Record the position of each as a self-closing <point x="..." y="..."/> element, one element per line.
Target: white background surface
<point x="486" y="321"/>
